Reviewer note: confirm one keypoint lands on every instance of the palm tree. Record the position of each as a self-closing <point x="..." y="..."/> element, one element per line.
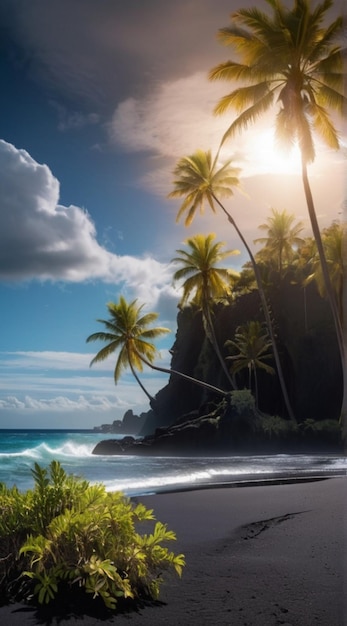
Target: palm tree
<point x="281" y="240"/>
<point x="290" y="56"/>
<point x="344" y="326"/>
<point x="252" y="344"/>
<point x="205" y="281"/>
<point x="199" y="180"/>
<point x="332" y="238"/>
<point x="127" y="332"/>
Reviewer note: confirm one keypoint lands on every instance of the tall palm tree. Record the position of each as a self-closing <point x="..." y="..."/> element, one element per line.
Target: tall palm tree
<point x="200" y="180"/>
<point x="282" y="237"/>
<point x="344" y="326"/>
<point x="290" y="59"/>
<point x="205" y="281"/>
<point x="128" y="334"/>
<point x="252" y="344"/>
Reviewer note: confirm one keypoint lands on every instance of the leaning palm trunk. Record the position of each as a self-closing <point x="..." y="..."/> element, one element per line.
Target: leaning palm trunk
<point x="191" y="379"/>
<point x="323" y="262"/>
<point x="211" y="335"/>
<point x="150" y="398"/>
<point x="265" y="310"/>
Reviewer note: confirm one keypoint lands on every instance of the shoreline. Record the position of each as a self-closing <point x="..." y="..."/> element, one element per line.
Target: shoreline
<point x="247" y="481"/>
<point x="257" y="555"/>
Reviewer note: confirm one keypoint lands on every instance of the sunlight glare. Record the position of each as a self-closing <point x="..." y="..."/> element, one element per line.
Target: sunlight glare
<point x="269" y="158"/>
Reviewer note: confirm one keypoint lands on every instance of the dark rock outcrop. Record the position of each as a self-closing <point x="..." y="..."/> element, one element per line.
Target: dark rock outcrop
<point x="181" y="420"/>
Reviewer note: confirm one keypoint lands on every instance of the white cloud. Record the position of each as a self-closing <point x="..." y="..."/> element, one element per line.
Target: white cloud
<point x="175" y="119"/>
<point x="61" y="382"/>
<point x="41" y="239"/>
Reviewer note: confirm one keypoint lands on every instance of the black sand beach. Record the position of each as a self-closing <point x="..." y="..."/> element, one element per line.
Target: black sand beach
<point x="256" y="556"/>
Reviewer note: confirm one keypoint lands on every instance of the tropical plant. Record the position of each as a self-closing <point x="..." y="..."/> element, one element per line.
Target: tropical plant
<point x="127" y="332"/>
<point x="66" y="536"/>
<point x="292" y="58"/>
<point x="253" y="349"/>
<point x="332" y="238"/>
<point x="344" y="328"/>
<point x="204" y="282"/>
<point x="200" y="180"/>
<point x="281" y="240"/>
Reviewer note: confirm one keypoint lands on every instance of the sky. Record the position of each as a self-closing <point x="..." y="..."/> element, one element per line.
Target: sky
<point x="98" y="102"/>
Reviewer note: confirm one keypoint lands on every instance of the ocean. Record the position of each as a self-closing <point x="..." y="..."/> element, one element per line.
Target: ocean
<point x="20" y="449"/>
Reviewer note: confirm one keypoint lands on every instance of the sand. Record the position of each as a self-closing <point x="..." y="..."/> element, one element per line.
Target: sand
<point x="256" y="556"/>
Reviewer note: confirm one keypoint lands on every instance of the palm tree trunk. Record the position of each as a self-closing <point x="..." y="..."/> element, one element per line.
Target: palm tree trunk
<point x="323" y="262"/>
<point x="185" y="376"/>
<point x="150" y="398"/>
<point x="265" y="311"/>
<point x="207" y="314"/>
<point x="255" y="386"/>
<point x="344" y="326"/>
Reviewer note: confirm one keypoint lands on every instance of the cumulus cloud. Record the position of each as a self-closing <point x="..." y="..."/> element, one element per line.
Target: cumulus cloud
<point x="42" y="239"/>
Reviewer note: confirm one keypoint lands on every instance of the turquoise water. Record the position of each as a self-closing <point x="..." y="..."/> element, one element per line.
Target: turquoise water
<point x="20" y="449"/>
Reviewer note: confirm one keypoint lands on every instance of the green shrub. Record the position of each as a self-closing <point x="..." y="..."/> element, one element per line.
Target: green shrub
<point x="242" y="402"/>
<point x="66" y="534"/>
<point x="275" y="427"/>
<point x="324" y="430"/>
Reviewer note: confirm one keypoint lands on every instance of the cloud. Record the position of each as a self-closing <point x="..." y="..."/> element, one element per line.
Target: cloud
<point x="44" y="240"/>
<point x="173" y="120"/>
<point x="63" y="382"/>
<point x="62" y="403"/>
<point x="55" y="360"/>
<point x="77" y="47"/>
<point x="73" y="120"/>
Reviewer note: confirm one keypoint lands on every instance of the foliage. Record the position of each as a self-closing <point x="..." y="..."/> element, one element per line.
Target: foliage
<point x="66" y="534"/>
<point x="205" y="283"/>
<point x="275" y="427"/>
<point x="203" y="279"/>
<point x="332" y="238"/>
<point x="291" y="59"/>
<point x="242" y="402"/>
<point x="253" y="348"/>
<point x="128" y="333"/>
<point x="281" y="241"/>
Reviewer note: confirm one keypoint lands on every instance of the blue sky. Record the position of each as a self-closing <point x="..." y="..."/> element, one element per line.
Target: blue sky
<point x="98" y="101"/>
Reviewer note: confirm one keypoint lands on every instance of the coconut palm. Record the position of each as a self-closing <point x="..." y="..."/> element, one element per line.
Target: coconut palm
<point x="128" y="334"/>
<point x="253" y="349"/>
<point x="344" y="326"/>
<point x="332" y="238"/>
<point x="291" y="59"/>
<point x="200" y="180"/>
<point x="282" y="239"/>
<point x="204" y="282"/>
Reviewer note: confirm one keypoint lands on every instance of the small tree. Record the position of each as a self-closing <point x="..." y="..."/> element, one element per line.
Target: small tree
<point x="205" y="282"/>
<point x="253" y="348"/>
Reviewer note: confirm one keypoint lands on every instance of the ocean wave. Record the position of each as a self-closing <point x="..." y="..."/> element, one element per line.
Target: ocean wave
<point x="45" y="452"/>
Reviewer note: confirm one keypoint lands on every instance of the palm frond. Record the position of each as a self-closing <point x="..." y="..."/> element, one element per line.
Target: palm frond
<point x="249" y="116"/>
<point x="324" y="126"/>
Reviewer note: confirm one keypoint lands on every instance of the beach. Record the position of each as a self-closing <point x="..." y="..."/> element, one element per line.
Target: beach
<point x="264" y="555"/>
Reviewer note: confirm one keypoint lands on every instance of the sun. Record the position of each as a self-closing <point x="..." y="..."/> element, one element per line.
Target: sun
<point x="264" y="157"/>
